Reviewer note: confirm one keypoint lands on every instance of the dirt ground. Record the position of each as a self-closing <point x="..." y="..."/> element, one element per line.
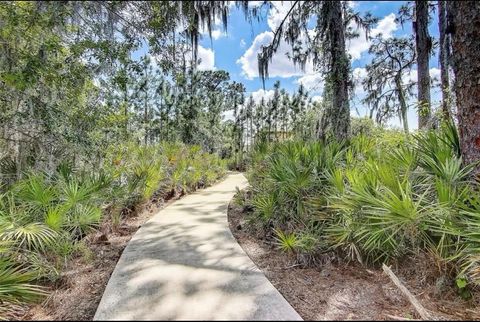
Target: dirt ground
<point x="79" y="291"/>
<point x="332" y="291"/>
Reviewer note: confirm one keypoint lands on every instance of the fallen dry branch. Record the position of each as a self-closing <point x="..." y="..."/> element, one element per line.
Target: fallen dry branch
<point x="424" y="314"/>
<point x="399" y="318"/>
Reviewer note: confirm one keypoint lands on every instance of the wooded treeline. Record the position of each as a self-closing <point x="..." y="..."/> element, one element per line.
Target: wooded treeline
<point x="70" y="81"/>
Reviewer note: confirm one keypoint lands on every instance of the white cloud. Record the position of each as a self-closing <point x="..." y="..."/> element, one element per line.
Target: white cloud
<point x="312" y="82"/>
<point x="254" y="3"/>
<point x="359" y="74"/>
<point x="386" y="26"/>
<point x="217" y="33"/>
<point x="280" y="66"/>
<point x="242" y="43"/>
<point x="412" y="75"/>
<point x="228" y="115"/>
<point x="352" y="4"/>
<point x="435" y="74"/>
<point x="257" y="95"/>
<point x="277" y="13"/>
<point x="359" y="45"/>
<point x="207" y="57"/>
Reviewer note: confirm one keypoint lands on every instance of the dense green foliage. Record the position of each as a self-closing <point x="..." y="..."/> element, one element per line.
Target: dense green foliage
<point x="70" y="86"/>
<point x="371" y="199"/>
<point x="87" y="132"/>
<point x="44" y="218"/>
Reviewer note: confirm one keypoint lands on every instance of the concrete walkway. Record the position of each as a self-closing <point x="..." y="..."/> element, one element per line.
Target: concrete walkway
<point x="184" y="264"/>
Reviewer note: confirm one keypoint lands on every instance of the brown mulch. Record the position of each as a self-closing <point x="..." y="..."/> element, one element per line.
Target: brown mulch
<point x="347" y="291"/>
<point x="79" y="290"/>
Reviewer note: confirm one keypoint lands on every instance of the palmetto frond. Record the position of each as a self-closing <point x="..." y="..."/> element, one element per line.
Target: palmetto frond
<point x="83" y="219"/>
<point x="15" y="284"/>
<point x="286" y="242"/>
<point x="27" y="235"/>
<point x="35" y="192"/>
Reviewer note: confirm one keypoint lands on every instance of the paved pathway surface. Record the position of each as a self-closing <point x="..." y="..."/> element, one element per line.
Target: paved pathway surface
<point x="184" y="264"/>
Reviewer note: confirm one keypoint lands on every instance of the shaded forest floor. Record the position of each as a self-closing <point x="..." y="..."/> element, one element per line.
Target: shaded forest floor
<point x="77" y="293"/>
<point x="336" y="291"/>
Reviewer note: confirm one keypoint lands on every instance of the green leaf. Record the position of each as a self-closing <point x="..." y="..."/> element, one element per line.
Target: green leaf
<point x="461" y="282"/>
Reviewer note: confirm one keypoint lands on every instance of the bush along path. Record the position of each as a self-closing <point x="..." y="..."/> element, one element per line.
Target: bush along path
<point x="61" y="233"/>
<point x="185" y="264"/>
<point x="410" y="202"/>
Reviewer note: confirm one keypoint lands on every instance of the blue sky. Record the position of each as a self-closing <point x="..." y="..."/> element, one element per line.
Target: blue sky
<point x="236" y="50"/>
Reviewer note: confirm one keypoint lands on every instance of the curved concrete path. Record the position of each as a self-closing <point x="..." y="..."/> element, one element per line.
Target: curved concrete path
<point x="184" y="264"/>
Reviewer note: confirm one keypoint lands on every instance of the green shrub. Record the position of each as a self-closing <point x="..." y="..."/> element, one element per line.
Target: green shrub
<point x="15" y="283"/>
<point x="286" y="242"/>
<point x="43" y="217"/>
<point x="372" y="199"/>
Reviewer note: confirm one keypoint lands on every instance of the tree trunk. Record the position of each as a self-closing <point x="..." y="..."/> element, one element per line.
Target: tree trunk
<point x="463" y="25"/>
<point x="403" y="103"/>
<point x="370" y="114"/>
<point x="125" y="111"/>
<point x="269" y="125"/>
<point x="275" y="121"/>
<point x="234" y="131"/>
<point x="17" y="144"/>
<point x="167" y="124"/>
<point x="336" y="118"/>
<point x="145" y="110"/>
<point x="251" y="129"/>
<point x="423" y="46"/>
<point x="443" y="59"/>
<point x="145" y="122"/>
<point x="160" y="134"/>
<point x="160" y="109"/>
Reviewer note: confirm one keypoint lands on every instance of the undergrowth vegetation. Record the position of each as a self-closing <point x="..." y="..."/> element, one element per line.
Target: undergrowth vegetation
<point x="372" y="199"/>
<point x="45" y="217"/>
